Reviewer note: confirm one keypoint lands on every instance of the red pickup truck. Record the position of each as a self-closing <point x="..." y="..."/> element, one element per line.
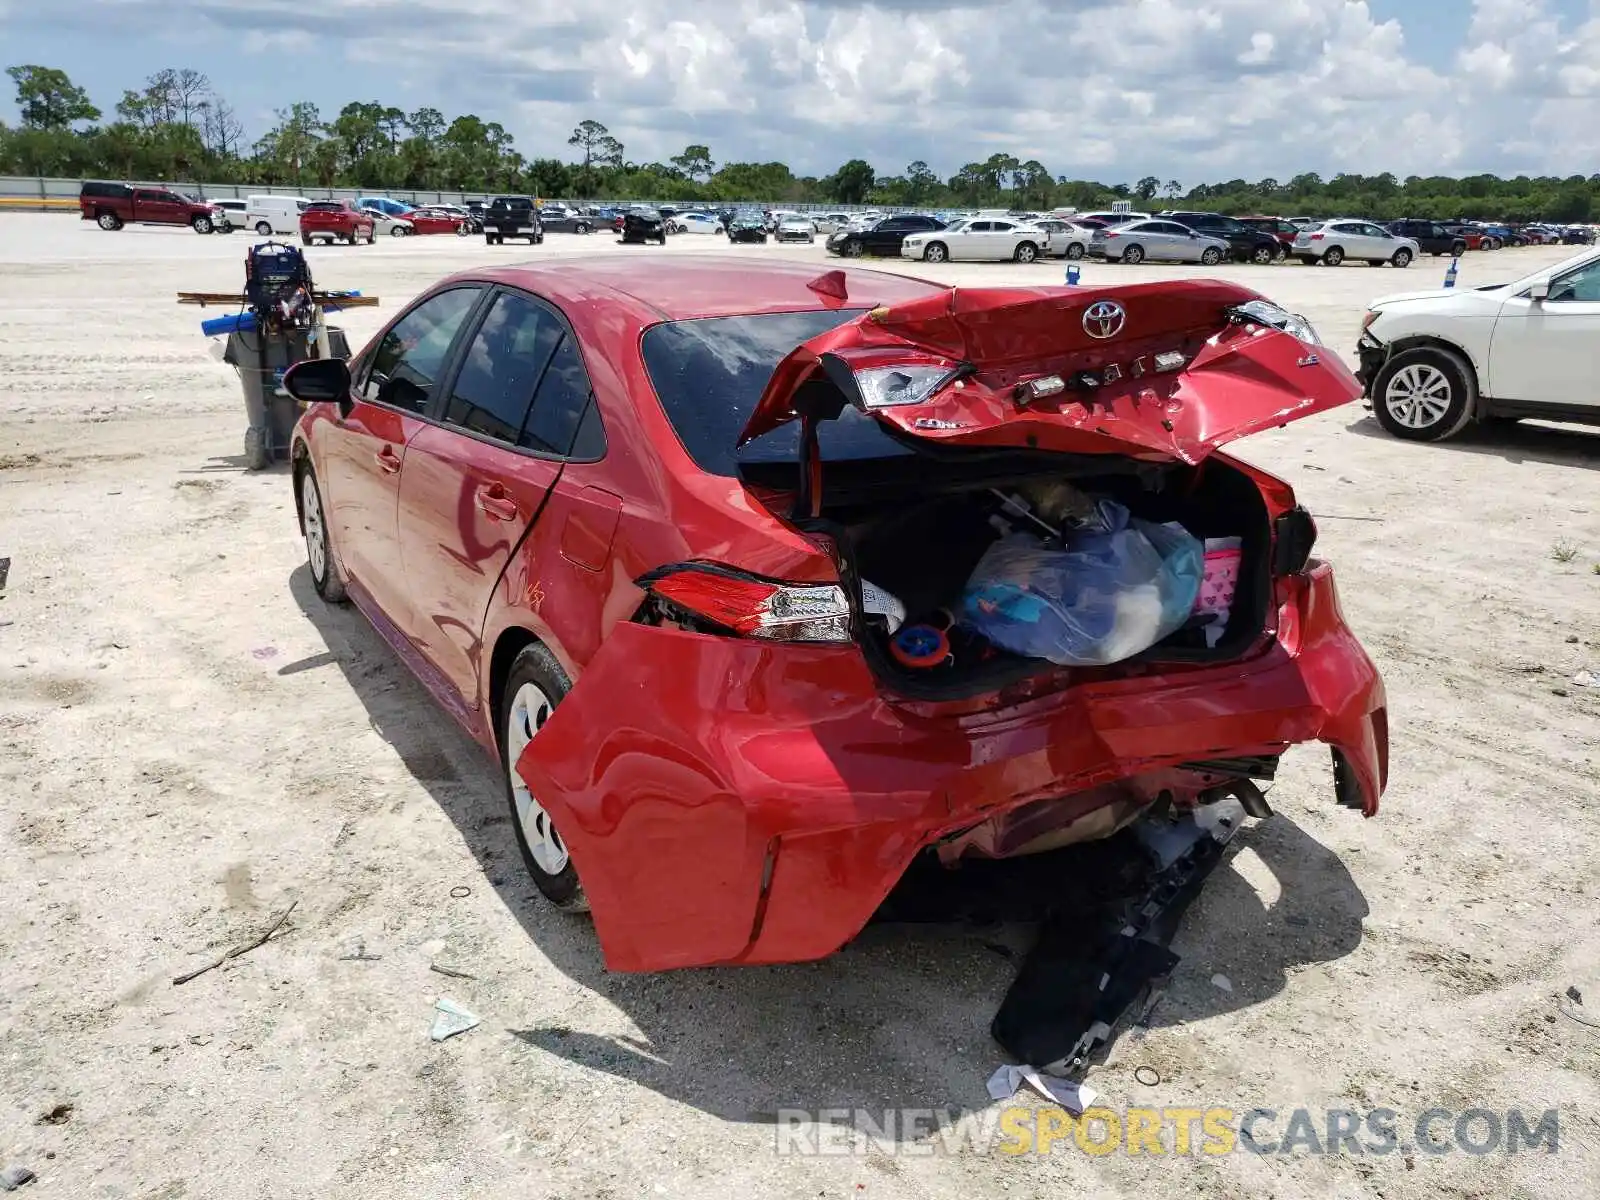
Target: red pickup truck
<point x="338" y="221"/>
<point x="113" y="205"/>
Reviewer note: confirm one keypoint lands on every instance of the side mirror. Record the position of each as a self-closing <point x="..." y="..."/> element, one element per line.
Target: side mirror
<point x="320" y="381"/>
<point x="1539" y="292"/>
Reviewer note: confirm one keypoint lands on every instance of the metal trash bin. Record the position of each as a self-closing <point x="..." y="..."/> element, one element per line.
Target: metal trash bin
<point x="271" y="412"/>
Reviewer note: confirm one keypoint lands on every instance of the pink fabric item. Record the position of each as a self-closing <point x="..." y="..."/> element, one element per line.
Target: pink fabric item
<point x="1219" y="577"/>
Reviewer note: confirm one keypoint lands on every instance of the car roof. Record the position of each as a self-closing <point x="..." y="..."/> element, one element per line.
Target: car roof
<point x="681" y="287"/>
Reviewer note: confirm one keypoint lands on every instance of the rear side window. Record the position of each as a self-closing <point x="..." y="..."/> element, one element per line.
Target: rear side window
<point x="709" y="373"/>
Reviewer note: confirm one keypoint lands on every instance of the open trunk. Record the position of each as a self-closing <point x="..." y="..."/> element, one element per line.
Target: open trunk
<point x="919" y="537"/>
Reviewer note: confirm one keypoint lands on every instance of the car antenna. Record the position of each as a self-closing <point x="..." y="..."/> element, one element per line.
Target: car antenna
<point x="830" y="283"/>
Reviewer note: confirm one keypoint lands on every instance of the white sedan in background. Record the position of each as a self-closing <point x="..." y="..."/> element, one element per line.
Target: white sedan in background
<point x="1067" y="239"/>
<point x="1436" y="362"/>
<point x="695" y="223"/>
<point x="796" y="228"/>
<point x="987" y="239"/>
<point x="386" y="224"/>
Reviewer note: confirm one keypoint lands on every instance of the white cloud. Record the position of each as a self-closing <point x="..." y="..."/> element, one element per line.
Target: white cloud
<point x="1193" y="89"/>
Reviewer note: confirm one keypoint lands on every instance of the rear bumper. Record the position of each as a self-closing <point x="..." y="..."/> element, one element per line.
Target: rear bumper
<point x="733" y="801"/>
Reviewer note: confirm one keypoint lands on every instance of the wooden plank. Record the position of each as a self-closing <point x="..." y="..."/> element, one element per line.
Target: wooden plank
<point x="331" y="299"/>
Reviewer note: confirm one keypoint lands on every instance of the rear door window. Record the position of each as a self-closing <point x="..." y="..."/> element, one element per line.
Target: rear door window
<point x="411" y="355"/>
<point x="501" y="367"/>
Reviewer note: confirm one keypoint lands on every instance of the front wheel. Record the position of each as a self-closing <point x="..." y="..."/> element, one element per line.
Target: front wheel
<point x="1075" y="251"/>
<point x="534" y="686"/>
<point x="580" y="227"/>
<point x="935" y="252"/>
<point x="397" y="231"/>
<point x="1211" y="256"/>
<point x="1133" y="255"/>
<point x="463" y="229"/>
<point x="856" y="250"/>
<point x="1261" y="255"/>
<point x="1423" y="395"/>
<point x="1280" y="254"/>
<point x="202" y="225"/>
<point x="1026" y="252"/>
<point x="1402" y="258"/>
<point x="319" y="547"/>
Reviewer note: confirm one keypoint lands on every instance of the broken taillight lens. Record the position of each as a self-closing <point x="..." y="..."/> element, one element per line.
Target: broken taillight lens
<point x="752" y="607"/>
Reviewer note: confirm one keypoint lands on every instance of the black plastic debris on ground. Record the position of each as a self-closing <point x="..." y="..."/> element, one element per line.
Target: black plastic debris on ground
<point x="1106" y="912"/>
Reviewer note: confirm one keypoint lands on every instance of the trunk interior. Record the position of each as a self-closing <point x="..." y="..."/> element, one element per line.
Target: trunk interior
<point x="917" y="526"/>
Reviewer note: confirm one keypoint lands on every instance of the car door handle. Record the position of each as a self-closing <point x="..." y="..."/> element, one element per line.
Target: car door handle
<point x="388" y="461"/>
<point x="495" y="504"/>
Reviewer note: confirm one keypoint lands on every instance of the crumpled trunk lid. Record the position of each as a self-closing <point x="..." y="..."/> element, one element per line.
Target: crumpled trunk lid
<point x="1165" y="371"/>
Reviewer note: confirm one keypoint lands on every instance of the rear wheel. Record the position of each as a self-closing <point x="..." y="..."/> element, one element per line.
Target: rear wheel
<point x="319" y="547"/>
<point x="305" y="239"/>
<point x="264" y="228"/>
<point x="534" y="686"/>
<point x="1333" y="257"/>
<point x="1026" y="252"/>
<point x="109" y="221"/>
<point x="1211" y="256"/>
<point x="1424" y="395"/>
<point x="1281" y="253"/>
<point x="1133" y="255"/>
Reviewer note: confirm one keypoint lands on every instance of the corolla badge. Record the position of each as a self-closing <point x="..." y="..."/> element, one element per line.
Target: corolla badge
<point x="1104" y="319"/>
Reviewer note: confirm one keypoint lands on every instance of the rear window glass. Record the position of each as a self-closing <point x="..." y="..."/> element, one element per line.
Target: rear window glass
<point x="709" y="373"/>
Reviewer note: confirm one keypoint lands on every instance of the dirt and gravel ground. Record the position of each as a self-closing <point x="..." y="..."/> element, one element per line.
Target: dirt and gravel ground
<point x="191" y="741"/>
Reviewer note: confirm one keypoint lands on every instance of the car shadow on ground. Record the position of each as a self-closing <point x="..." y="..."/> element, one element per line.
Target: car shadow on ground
<point x="1516" y="442"/>
<point x="897" y="1019"/>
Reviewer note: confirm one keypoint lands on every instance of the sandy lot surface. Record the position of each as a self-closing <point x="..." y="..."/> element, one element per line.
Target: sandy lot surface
<point x="189" y="740"/>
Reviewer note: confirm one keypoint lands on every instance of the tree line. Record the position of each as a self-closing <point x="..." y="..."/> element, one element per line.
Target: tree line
<point x="178" y="128"/>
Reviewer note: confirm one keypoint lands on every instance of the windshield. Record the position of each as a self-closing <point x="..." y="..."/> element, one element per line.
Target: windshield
<point x="709" y="373"/>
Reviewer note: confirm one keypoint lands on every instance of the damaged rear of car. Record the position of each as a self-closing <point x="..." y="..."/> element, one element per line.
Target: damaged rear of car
<point x="987" y="588"/>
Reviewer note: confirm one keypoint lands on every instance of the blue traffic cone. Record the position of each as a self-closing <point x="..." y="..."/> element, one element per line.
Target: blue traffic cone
<point x="1450" y="274"/>
<point x="1073" y="274"/>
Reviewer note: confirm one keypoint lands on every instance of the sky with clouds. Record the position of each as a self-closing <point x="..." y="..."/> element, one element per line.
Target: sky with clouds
<point x="1195" y="90"/>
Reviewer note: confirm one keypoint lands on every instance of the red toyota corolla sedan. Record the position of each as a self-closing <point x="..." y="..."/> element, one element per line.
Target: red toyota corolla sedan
<point x="655" y="532"/>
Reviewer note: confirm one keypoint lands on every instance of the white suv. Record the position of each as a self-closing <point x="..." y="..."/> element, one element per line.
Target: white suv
<point x="1332" y="242"/>
<point x="1436" y="362"/>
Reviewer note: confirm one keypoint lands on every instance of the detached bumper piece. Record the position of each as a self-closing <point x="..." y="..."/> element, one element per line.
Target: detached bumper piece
<point x="1089" y="969"/>
<point x="1372" y="353"/>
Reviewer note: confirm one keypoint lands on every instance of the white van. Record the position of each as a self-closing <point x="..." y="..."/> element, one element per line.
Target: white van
<point x="268" y="215"/>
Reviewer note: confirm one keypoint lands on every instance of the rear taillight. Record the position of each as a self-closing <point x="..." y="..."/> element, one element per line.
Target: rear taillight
<point x="1316" y="237"/>
<point x="1294" y="534"/>
<point x="1111" y="234"/>
<point x="748" y="606"/>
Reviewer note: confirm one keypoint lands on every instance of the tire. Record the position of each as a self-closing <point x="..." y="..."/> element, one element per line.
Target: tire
<point x="1424" y="395"/>
<point x="319" y="546"/>
<point x="109" y="221"/>
<point x="1402" y="258"/>
<point x="1332" y="257"/>
<point x="534" y="686"/>
<point x="1261" y="256"/>
<point x="398" y="231"/>
<point x="580" y="227"/>
<point x="202" y="225"/>
<point x="1457" y="249"/>
<point x="256" y="456"/>
<point x="1280" y="254"/>
<point x="934" y="252"/>
<point x="305" y="239"/>
<point x="855" y="249"/>
<point x="1075" y="251"/>
<point x="1133" y="256"/>
<point x="264" y="228"/>
<point x="1026" y="252"/>
<point x="490" y="239"/>
<point x="463" y="229"/>
<point x="1210" y="256"/>
<point x="536" y="240"/>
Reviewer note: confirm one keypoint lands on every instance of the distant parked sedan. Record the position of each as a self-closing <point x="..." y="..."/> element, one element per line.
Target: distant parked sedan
<point x="557" y="219"/>
<point x="1334" y="241"/>
<point x="438" y="220"/>
<point x="391" y="225"/>
<point x="695" y="223"/>
<point x="747" y="227"/>
<point x="983" y="240"/>
<point x="1067" y="239"/>
<point x="796" y="229"/>
<point x="1168" y="241"/>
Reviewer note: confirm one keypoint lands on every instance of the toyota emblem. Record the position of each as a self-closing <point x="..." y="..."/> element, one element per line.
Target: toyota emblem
<point x="1104" y="319"/>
